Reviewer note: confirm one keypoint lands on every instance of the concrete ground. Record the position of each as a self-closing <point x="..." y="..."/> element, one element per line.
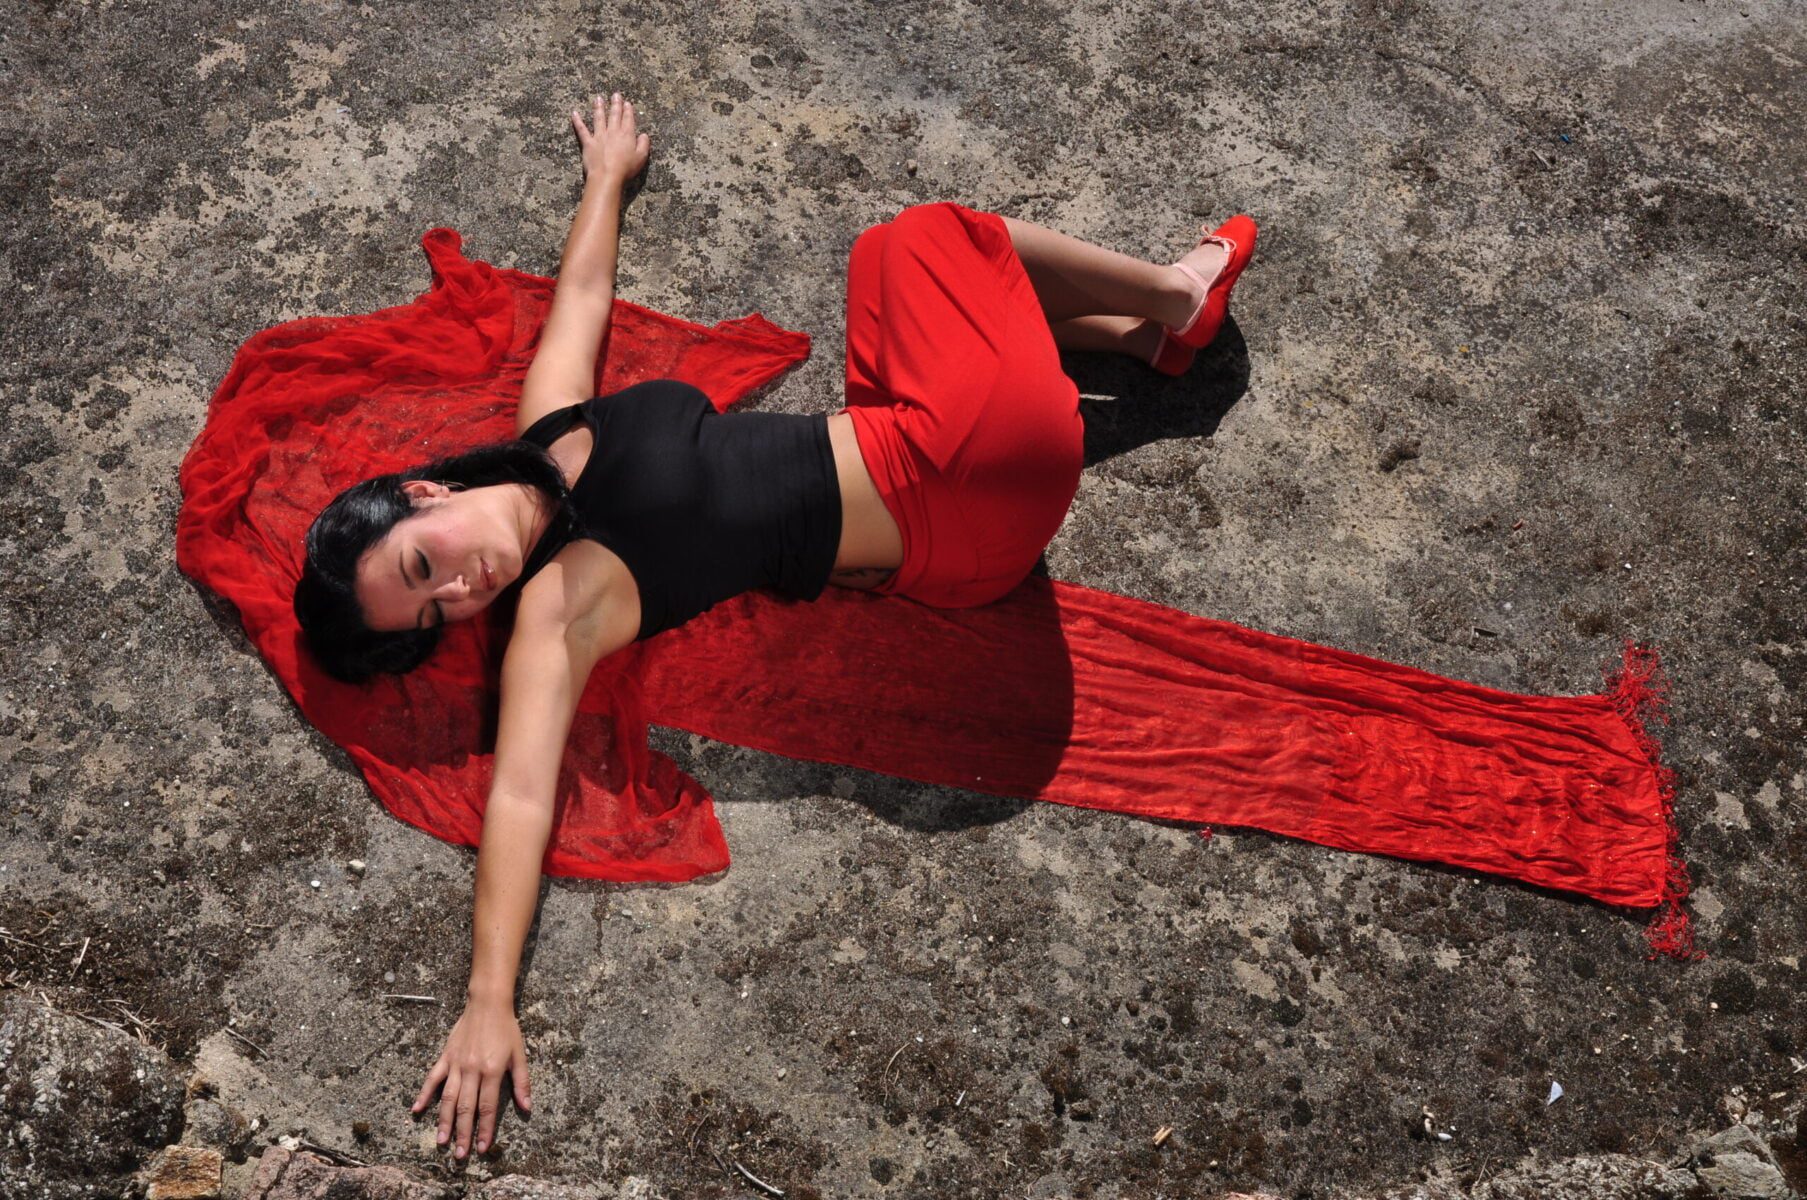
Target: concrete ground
<point x="1514" y="376"/>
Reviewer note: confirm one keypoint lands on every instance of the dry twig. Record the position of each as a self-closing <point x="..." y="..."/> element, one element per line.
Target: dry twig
<point x="707" y="1117"/>
<point x="337" y="1158"/>
<point x="128" y="1014"/>
<point x="757" y="1182"/>
<point x="230" y="1032"/>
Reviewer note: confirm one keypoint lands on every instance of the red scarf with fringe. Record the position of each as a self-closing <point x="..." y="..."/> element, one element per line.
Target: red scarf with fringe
<point x="1057" y="693"/>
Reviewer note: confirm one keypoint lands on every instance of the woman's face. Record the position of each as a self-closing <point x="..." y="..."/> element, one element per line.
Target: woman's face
<point x="447" y="561"/>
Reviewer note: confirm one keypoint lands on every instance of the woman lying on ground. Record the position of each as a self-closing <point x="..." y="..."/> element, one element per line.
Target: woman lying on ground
<point x="617" y="517"/>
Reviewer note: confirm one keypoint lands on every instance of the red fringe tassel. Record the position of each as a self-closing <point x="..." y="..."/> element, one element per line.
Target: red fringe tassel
<point x="1639" y="691"/>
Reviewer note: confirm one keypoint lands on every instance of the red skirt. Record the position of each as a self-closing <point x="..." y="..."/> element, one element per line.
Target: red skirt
<point x="967" y="424"/>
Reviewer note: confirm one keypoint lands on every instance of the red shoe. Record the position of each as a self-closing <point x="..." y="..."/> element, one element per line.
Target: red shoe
<point x="1172" y="357"/>
<point x="1237" y="235"/>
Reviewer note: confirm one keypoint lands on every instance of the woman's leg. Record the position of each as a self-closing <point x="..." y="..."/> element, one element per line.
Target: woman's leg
<point x="1134" y="336"/>
<point x="1077" y="279"/>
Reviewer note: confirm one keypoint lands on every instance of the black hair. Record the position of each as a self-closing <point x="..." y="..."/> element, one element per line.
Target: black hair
<point x="359" y="517"/>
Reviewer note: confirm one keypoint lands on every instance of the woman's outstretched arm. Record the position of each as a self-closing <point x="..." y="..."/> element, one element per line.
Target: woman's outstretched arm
<point x="564" y="369"/>
<point x="573" y="613"/>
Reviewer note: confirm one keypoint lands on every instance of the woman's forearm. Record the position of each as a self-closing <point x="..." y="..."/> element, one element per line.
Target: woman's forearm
<point x="593" y="245"/>
<point x="564" y="367"/>
<point x="508" y="890"/>
<point x="550" y="654"/>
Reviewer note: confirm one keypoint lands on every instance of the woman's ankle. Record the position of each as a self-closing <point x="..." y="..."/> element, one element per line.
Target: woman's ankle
<point x="1180" y="297"/>
<point x="1194" y="275"/>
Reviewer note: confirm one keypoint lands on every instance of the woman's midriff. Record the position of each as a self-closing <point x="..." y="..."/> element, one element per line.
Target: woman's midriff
<point x="871" y="544"/>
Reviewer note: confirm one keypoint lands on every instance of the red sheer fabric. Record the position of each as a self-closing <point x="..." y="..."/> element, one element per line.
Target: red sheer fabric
<point x="1056" y="693"/>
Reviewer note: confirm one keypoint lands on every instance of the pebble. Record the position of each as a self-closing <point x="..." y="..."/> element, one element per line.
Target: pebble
<point x="388" y="976"/>
<point x="313" y="883"/>
<point x="356" y="866"/>
<point x="781" y="1072"/>
<point x="909" y="166"/>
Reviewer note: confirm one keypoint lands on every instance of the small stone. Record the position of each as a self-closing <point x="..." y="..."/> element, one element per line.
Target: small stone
<point x="781" y="1072"/>
<point x="909" y="166"/>
<point x="360" y="1130"/>
<point x="185" y="1173"/>
<point x="210" y="1123"/>
<point x="286" y="1175"/>
<point x="356" y="866"/>
<point x="313" y="883"/>
<point x="1737" y="1163"/>
<point x="388" y="976"/>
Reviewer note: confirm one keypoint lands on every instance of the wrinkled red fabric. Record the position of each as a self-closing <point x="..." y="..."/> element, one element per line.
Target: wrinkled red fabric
<point x="1057" y="692"/>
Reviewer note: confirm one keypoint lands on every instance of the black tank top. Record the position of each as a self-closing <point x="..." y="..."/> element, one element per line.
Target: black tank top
<point x="701" y="505"/>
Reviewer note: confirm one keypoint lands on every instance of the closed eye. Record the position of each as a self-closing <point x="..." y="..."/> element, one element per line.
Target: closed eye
<point x="426" y="576"/>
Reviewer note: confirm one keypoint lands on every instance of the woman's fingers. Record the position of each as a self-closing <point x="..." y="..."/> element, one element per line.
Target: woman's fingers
<point x="523" y="1086"/>
<point x="448" y="1108"/>
<point x="467" y="1110"/>
<point x="435" y="1077"/>
<point x="489" y="1099"/>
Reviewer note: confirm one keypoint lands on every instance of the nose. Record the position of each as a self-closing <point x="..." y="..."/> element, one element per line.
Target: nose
<point x="452" y="590"/>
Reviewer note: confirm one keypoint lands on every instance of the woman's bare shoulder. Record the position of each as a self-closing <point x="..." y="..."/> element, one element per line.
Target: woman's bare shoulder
<point x="586" y="589"/>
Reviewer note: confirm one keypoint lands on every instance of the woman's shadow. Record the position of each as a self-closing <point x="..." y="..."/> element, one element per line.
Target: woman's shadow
<point x="1127" y="405"/>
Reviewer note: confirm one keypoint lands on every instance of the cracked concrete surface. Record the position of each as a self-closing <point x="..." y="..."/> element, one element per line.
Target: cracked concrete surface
<point x="1514" y="376"/>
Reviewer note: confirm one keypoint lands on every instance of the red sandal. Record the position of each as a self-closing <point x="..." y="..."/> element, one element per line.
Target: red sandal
<point x="1237" y="235"/>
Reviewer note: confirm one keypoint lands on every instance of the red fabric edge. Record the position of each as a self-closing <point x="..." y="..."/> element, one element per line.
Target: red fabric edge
<point x="1639" y="692"/>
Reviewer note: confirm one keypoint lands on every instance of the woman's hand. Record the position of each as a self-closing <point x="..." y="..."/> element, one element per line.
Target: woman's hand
<point x="614" y="149"/>
<point x="485" y="1044"/>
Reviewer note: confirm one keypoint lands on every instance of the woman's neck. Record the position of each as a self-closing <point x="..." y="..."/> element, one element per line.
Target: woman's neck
<point x="533" y="515"/>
